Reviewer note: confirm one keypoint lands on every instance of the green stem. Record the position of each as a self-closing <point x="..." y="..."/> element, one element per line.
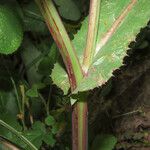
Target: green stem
<point x="62" y="40"/>
<point x="80" y="126"/>
<point x="92" y="34"/>
<point x="18" y="134"/>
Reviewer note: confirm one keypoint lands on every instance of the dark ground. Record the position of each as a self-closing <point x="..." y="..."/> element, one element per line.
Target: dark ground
<point x="122" y="106"/>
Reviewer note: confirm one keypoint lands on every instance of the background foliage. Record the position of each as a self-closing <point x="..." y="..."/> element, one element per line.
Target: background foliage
<point x="30" y="101"/>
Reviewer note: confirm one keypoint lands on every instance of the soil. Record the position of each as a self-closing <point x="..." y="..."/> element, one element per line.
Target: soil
<point x="122" y="106"/>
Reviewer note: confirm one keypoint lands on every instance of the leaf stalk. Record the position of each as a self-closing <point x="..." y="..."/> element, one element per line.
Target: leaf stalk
<point x="92" y="34"/>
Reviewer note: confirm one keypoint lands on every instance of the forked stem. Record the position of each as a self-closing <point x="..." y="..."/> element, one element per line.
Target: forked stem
<point x="80" y="110"/>
<point x="56" y="27"/>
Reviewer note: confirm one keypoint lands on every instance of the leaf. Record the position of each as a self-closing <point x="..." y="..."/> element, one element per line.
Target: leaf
<point x="109" y="55"/>
<point x="30" y="24"/>
<point x="33" y="136"/>
<point x="67" y="6"/>
<point x="111" y="48"/>
<point x="16" y="134"/>
<point x="36" y="134"/>
<point x="45" y="66"/>
<point x="49" y="139"/>
<point x="32" y="10"/>
<point x="55" y="128"/>
<point x="53" y="54"/>
<point x="33" y="20"/>
<point x="31" y="61"/>
<point x="8" y="103"/>
<point x="33" y="92"/>
<point x="50" y="120"/>
<point x="73" y="101"/>
<point x="47" y="63"/>
<point x="11" y="33"/>
<point x="10" y="119"/>
<point x="60" y="78"/>
<point x="39" y="126"/>
<point x="79" y="40"/>
<point x="104" y="142"/>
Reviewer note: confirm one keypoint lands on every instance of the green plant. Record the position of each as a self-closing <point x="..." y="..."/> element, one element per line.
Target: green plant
<point x="11" y="31"/>
<point x="90" y="55"/>
<point x="99" y="59"/>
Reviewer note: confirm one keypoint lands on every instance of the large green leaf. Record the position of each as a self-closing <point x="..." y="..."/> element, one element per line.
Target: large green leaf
<point x="110" y="56"/>
<point x="119" y="23"/>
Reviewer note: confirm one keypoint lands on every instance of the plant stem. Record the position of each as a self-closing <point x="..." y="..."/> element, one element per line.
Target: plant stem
<point x="80" y="126"/>
<point x="18" y="134"/>
<point x="21" y="112"/>
<point x="92" y="34"/>
<point x="22" y="90"/>
<point x="75" y="73"/>
<point x="80" y="110"/>
<point x="62" y="40"/>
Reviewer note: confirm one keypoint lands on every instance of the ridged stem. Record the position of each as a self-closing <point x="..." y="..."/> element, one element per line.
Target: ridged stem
<point x="80" y="126"/>
<point x="62" y="40"/>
